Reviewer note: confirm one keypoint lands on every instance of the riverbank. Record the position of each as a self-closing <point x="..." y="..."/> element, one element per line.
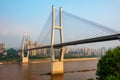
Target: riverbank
<point x="48" y="60"/>
<point x="78" y="59"/>
<point x="65" y="60"/>
<point x="9" y="62"/>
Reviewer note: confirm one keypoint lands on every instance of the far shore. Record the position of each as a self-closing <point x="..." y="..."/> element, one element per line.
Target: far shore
<point x="78" y="59"/>
<point x="65" y="60"/>
<point x="48" y="60"/>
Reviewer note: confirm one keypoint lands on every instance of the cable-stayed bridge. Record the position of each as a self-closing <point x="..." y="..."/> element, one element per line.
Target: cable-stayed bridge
<point x="75" y="30"/>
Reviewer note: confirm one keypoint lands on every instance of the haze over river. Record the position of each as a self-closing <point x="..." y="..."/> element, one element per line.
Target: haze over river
<point x="39" y="71"/>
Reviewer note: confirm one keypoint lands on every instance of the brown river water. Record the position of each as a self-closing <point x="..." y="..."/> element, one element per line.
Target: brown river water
<point x="39" y="71"/>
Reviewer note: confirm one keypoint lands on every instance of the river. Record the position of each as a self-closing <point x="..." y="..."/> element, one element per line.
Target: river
<point x="39" y="71"/>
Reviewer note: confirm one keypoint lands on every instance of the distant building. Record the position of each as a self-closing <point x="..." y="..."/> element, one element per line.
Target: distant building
<point x="57" y="51"/>
<point x="2" y="48"/>
<point x="36" y="51"/>
<point x="44" y="51"/>
<point x="66" y="50"/>
<point x="88" y="51"/>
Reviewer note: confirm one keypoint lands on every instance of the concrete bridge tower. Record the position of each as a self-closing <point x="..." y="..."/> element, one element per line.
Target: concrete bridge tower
<point x="25" y="46"/>
<point x="57" y="66"/>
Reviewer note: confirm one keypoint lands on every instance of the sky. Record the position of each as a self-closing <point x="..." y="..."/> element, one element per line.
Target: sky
<point x="19" y="16"/>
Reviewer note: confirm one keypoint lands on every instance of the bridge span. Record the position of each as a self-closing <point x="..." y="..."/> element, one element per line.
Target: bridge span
<point x="57" y="66"/>
<point x="84" y="41"/>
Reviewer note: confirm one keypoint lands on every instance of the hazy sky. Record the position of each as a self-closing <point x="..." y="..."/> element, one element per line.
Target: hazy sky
<point x="19" y="16"/>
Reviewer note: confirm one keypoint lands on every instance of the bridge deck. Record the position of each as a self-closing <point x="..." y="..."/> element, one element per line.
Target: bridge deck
<point x="84" y="41"/>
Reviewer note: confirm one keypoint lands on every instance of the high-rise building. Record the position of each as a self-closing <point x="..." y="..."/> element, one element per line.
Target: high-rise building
<point x="2" y="47"/>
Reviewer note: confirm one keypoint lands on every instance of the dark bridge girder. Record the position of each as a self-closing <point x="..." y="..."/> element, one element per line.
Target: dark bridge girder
<point x="84" y="41"/>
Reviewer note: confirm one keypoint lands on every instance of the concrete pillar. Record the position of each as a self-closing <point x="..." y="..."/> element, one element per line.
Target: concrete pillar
<point x="57" y="67"/>
<point x="25" y="60"/>
<point x="52" y="34"/>
<point x="61" y="54"/>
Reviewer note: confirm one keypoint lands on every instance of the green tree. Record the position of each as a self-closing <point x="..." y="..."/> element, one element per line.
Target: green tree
<point x="112" y="78"/>
<point x="1" y="56"/>
<point x="108" y="67"/>
<point x="12" y="52"/>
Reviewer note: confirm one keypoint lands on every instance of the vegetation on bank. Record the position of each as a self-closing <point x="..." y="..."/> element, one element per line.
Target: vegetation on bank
<point x="38" y="57"/>
<point x="108" y="67"/>
<point x="11" y="56"/>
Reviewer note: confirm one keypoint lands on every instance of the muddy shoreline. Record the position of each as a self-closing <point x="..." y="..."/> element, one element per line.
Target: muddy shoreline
<point x="48" y="60"/>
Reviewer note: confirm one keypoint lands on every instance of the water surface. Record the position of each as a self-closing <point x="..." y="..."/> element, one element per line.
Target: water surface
<point x="39" y="71"/>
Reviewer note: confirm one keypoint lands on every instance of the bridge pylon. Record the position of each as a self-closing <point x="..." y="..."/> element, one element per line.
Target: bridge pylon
<point x="57" y="66"/>
<point x="25" y="45"/>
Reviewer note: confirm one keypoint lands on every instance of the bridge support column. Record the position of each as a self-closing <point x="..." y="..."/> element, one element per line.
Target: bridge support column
<point x="57" y="67"/>
<point x="61" y="54"/>
<point x="25" y="57"/>
<point x="25" y="60"/>
<point x="25" y="44"/>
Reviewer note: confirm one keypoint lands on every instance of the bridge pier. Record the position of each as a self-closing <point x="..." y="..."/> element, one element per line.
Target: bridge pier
<point x="25" y="60"/>
<point x="25" y="45"/>
<point x="57" y="67"/>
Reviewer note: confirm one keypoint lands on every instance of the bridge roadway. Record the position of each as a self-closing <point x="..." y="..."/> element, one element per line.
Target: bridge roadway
<point x="84" y="41"/>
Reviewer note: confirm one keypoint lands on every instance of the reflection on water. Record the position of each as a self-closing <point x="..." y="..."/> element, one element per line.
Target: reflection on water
<point x="25" y="72"/>
<point x="57" y="77"/>
<point x="34" y="71"/>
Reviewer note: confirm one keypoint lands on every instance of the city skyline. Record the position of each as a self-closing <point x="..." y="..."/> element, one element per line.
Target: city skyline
<point x="17" y="17"/>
